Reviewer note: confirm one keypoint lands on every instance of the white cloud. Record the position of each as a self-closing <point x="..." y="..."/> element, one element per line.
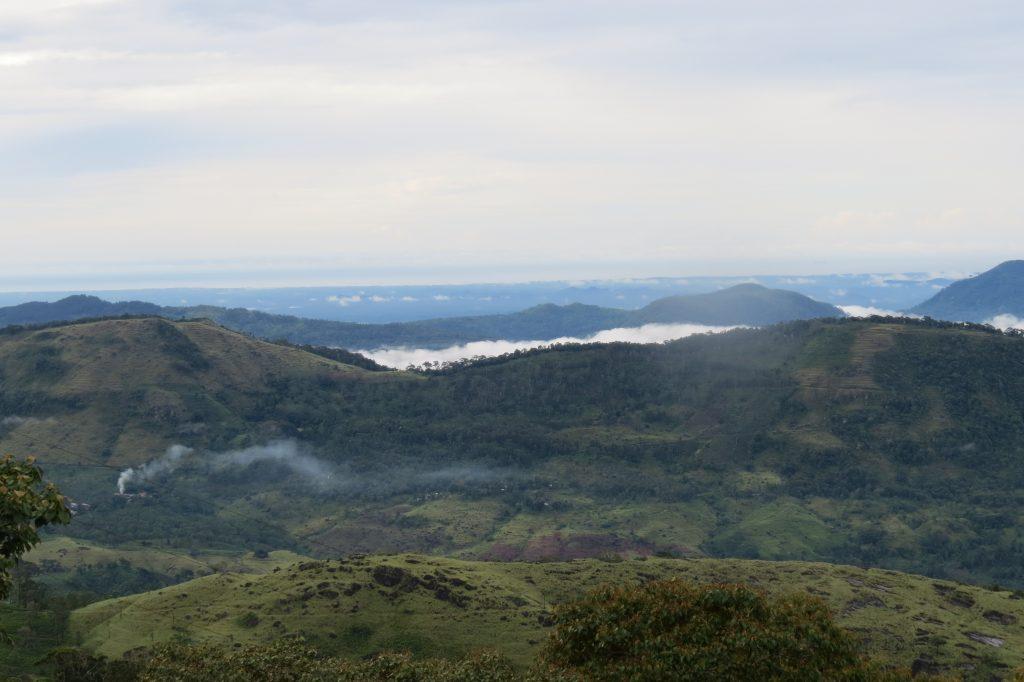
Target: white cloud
<point x="345" y="301"/>
<point x="441" y="297"/>
<point x="1006" y="321"/>
<point x="649" y="333"/>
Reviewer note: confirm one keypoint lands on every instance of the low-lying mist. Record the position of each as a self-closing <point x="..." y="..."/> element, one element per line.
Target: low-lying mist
<point x="648" y="333"/>
<point x="871" y="311"/>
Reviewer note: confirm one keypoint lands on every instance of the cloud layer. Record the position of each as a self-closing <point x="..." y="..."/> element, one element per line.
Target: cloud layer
<point x="871" y="311"/>
<point x="648" y="333"/>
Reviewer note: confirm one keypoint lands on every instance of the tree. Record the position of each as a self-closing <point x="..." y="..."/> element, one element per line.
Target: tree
<point x="671" y="630"/>
<point x="26" y="505"/>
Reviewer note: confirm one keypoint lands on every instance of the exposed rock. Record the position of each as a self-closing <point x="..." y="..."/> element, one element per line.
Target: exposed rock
<point x="986" y="639"/>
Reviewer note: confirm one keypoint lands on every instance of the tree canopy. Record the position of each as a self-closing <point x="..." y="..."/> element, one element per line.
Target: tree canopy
<point x="26" y="505"/>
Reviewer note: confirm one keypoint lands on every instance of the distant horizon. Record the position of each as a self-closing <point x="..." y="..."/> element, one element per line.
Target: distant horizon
<point x="238" y="277"/>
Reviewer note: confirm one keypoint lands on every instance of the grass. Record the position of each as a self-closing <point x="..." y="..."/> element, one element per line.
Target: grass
<point x="446" y="607"/>
<point x="58" y="556"/>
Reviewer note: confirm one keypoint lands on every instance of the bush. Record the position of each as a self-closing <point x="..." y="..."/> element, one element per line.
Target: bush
<point x="672" y="630"/>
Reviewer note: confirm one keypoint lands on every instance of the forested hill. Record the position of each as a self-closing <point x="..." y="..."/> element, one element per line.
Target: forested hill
<point x="877" y="442"/>
<point x="999" y="291"/>
<point x="72" y="308"/>
<point x="745" y="304"/>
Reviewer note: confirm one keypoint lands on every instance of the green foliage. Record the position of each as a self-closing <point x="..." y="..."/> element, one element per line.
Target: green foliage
<point x="74" y="665"/>
<point x="290" y="659"/>
<point x="26" y="505"/>
<point x="672" y="630"/>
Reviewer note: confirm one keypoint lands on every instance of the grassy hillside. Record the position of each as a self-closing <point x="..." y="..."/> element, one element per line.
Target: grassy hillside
<point x="999" y="291"/>
<point x="447" y="607"/>
<point x="747" y="304"/>
<point x="865" y="442"/>
<point x="120" y="389"/>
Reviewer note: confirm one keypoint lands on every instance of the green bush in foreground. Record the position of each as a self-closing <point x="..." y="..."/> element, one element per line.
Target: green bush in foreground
<point x="671" y="630"/>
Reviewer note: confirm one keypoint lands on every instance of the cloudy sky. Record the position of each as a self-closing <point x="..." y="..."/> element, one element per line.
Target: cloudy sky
<point x="495" y="139"/>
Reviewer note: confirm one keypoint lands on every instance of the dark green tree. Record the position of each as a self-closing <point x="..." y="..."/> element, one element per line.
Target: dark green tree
<point x="26" y="505"/>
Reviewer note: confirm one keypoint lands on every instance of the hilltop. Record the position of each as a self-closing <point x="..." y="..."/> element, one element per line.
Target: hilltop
<point x="445" y="607"/>
<point x="870" y="442"/>
<point x="745" y="304"/>
<point x="72" y="308"/>
<point x="999" y="291"/>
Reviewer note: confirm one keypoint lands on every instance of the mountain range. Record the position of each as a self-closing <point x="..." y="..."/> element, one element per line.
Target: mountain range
<point x="857" y="441"/>
<point x="745" y="304"/>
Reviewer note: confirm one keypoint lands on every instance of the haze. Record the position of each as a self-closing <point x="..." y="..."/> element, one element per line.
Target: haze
<point x="204" y="142"/>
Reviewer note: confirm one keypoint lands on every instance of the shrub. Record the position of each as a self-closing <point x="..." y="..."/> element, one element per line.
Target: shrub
<point x="672" y="630"/>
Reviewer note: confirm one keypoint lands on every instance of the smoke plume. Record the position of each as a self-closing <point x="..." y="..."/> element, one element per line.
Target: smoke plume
<point x="287" y="453"/>
<point x="170" y="461"/>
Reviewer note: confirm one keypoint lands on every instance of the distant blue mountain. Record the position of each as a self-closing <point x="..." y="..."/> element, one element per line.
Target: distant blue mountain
<point x="999" y="291"/>
<point x="744" y="304"/>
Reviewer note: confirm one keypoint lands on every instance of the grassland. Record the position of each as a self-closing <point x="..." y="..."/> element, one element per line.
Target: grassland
<point x="438" y="606"/>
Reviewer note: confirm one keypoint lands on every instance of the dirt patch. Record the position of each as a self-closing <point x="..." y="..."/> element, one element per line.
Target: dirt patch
<point x="869" y="601"/>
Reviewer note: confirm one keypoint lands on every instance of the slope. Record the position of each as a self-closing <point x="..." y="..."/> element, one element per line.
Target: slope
<point x="436" y="606"/>
<point x="999" y="291"/>
<point x="119" y="389"/>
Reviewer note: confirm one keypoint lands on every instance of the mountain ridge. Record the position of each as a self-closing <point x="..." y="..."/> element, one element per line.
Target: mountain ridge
<point x="741" y="305"/>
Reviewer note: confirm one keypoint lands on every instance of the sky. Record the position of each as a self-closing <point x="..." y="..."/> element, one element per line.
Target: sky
<point x="310" y="141"/>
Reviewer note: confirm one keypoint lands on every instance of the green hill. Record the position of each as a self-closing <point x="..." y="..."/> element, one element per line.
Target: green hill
<point x="119" y="390"/>
<point x="853" y="441"/>
<point x="999" y="291"/>
<point x="446" y="607"/>
<point x="746" y="304"/>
